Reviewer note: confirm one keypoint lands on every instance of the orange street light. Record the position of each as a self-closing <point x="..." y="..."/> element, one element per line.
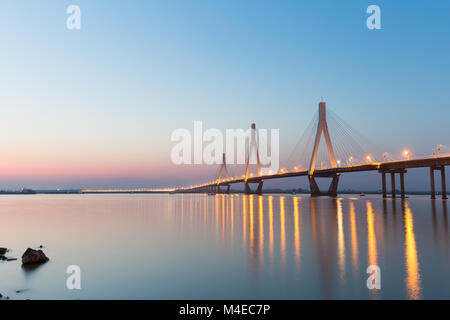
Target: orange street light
<point x="407" y="154"/>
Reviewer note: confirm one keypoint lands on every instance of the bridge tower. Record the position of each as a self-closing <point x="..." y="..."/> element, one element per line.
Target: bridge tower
<point x="223" y="169"/>
<point x="253" y="152"/>
<point x="322" y="127"/>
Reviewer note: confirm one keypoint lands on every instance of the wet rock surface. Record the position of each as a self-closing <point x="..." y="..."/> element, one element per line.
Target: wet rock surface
<point x="32" y="256"/>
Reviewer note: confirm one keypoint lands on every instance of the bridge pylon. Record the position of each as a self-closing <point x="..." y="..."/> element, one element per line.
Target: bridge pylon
<point x="322" y="127"/>
<point x="253" y="152"/>
<point x="220" y="181"/>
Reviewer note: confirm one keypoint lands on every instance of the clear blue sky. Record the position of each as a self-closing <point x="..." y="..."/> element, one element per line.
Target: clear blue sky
<point x="96" y="107"/>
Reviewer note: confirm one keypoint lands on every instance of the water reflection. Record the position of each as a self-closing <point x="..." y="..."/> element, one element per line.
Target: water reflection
<point x="247" y="246"/>
<point x="341" y="240"/>
<point x="296" y="233"/>
<point x="371" y="238"/>
<point x="270" y="199"/>
<point x="412" y="264"/>
<point x="354" y="238"/>
<point x="282" y="232"/>
<point x="261" y="228"/>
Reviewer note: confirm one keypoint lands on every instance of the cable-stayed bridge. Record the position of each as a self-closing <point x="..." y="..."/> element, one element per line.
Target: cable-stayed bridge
<point x="344" y="150"/>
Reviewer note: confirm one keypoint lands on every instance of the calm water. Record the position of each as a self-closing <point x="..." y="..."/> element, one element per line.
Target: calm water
<point x="218" y="247"/>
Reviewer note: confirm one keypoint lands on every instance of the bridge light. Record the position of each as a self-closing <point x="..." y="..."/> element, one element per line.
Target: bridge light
<point x="407" y="154"/>
<point x="438" y="149"/>
<point x="339" y="163"/>
<point x="369" y="158"/>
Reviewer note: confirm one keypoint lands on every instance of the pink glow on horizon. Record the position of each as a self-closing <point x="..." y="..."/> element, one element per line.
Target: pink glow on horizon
<point x="55" y="170"/>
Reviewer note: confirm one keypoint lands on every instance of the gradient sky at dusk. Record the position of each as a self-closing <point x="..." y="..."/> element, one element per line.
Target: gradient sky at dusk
<point x="96" y="107"/>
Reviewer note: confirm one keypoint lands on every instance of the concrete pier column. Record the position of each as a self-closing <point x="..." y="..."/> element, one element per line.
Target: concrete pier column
<point x="393" y="184"/>
<point x="383" y="184"/>
<point x="433" y="192"/>
<point x="444" y="188"/>
<point x="402" y="184"/>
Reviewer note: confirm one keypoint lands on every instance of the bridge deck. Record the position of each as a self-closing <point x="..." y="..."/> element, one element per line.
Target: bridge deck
<point x="380" y="166"/>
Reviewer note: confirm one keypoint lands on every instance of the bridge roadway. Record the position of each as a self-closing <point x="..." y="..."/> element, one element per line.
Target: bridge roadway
<point x="388" y="167"/>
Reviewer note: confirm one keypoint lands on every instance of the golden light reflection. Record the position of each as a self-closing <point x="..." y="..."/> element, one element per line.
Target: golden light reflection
<point x="217" y="214"/>
<point x="244" y="220"/>
<point x="282" y="232"/>
<point x="261" y="227"/>
<point x="271" y="228"/>
<point x="232" y="217"/>
<point x="296" y="232"/>
<point x="372" y="241"/>
<point x="341" y="240"/>
<point x="252" y="235"/>
<point x="412" y="264"/>
<point x="354" y="237"/>
<point x="223" y="218"/>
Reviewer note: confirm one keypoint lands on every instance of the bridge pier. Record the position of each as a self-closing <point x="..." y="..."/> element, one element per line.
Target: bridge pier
<point x="393" y="184"/>
<point x="332" y="190"/>
<point x="443" y="183"/>
<point x="444" y="188"/>
<point x="402" y="182"/>
<point x="432" y="190"/>
<point x="227" y="191"/>
<point x="402" y="185"/>
<point x="258" y="190"/>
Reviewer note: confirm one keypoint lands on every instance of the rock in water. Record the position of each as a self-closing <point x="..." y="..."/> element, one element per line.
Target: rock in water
<point x="3" y="250"/>
<point x="33" y="257"/>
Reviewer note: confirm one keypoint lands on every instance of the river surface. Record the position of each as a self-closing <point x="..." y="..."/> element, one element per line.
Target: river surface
<point x="226" y="247"/>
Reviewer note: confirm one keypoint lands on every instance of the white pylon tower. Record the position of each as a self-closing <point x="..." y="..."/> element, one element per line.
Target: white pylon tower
<point x="253" y="152"/>
<point x="322" y="127"/>
<point x="223" y="169"/>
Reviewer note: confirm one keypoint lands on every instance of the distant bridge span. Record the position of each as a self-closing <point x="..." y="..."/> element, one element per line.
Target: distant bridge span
<point x="222" y="185"/>
<point x="391" y="167"/>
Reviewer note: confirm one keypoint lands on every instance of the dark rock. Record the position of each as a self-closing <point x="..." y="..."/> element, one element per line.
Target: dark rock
<point x="3" y="250"/>
<point x="3" y="258"/>
<point x="32" y="256"/>
<point x="1" y="296"/>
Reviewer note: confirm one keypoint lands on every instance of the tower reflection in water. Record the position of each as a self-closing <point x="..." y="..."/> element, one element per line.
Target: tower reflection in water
<point x="324" y="242"/>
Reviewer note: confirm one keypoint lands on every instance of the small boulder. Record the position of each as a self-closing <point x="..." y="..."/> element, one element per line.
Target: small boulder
<point x="3" y="250"/>
<point x="32" y="256"/>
